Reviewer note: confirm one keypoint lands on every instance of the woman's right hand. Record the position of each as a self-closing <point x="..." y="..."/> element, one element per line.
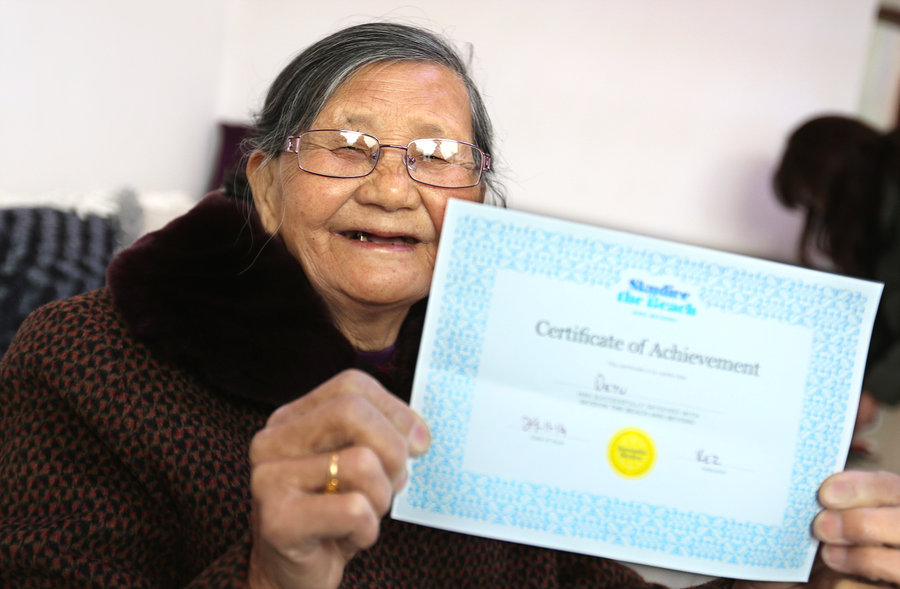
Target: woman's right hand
<point x="303" y="536"/>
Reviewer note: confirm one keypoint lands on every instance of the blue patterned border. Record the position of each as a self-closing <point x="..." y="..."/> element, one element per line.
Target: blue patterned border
<point x="484" y="247"/>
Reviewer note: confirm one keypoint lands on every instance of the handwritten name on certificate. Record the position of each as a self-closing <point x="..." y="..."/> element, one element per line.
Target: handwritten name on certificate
<point x="627" y="397"/>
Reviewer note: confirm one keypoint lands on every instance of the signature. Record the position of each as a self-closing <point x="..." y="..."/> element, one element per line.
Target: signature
<point x="604" y="386"/>
<point x="709" y="459"/>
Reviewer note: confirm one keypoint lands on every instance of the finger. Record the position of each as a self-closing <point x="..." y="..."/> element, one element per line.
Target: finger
<point x="353" y="381"/>
<point x="875" y="563"/>
<point x="846" y="583"/>
<point x="860" y="489"/>
<point x="344" y="421"/>
<point x="863" y="525"/>
<point x="300" y="522"/>
<point x="357" y="470"/>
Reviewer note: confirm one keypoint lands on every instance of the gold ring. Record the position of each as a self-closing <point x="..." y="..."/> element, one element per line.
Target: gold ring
<point x="332" y="485"/>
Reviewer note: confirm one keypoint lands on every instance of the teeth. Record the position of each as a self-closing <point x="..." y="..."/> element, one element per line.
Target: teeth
<point x="368" y="238"/>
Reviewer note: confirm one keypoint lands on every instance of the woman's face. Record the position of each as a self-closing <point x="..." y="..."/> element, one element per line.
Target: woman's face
<point x="321" y="219"/>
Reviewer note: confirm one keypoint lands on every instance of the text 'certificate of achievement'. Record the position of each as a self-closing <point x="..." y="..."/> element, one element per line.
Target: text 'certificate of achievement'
<point x="632" y="398"/>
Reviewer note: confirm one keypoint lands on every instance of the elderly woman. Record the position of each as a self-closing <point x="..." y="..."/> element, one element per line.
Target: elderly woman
<point x="230" y="411"/>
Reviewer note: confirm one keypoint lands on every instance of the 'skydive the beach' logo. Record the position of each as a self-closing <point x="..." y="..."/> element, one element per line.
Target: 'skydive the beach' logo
<point x="657" y="297"/>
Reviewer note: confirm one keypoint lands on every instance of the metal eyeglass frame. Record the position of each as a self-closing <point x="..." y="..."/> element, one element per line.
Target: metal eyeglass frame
<point x="292" y="145"/>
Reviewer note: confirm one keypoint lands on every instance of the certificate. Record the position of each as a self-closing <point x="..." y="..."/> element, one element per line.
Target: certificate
<point x="627" y="397"/>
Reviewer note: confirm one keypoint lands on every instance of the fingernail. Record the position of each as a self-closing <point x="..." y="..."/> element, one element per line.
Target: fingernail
<point x="834" y="556"/>
<point x="839" y="494"/>
<point x="828" y="527"/>
<point x="419" y="438"/>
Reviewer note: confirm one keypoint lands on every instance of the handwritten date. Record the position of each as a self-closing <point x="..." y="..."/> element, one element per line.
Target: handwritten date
<point x="536" y="425"/>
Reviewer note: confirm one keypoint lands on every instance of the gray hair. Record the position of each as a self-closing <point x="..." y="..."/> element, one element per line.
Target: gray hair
<point x="301" y="90"/>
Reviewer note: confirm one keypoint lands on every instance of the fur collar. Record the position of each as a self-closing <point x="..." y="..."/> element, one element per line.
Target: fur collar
<point x="214" y="293"/>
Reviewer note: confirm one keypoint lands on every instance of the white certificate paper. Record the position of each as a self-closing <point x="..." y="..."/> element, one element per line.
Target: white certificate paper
<point x="627" y="397"/>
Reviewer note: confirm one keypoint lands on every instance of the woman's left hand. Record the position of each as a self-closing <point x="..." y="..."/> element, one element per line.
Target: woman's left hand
<point x="860" y="525"/>
<point x="860" y="533"/>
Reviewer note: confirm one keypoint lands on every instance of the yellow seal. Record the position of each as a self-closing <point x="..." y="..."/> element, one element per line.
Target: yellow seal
<point x="631" y="453"/>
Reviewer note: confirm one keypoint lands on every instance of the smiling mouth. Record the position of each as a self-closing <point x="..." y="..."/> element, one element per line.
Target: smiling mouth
<point x="371" y="238"/>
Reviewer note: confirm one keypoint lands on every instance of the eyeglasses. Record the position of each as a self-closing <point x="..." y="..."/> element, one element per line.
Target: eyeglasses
<point x="335" y="153"/>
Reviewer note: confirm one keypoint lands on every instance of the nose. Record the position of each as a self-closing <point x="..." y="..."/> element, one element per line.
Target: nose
<point x="389" y="185"/>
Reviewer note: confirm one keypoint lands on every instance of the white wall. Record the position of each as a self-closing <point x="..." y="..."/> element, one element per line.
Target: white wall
<point x="676" y="110"/>
<point x="881" y="88"/>
<point x="100" y="94"/>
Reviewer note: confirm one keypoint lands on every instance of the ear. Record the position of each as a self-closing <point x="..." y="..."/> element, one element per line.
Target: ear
<point x="265" y="185"/>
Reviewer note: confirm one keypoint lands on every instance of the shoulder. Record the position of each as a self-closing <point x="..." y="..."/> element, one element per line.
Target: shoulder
<point x="66" y="324"/>
<point x="69" y="345"/>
